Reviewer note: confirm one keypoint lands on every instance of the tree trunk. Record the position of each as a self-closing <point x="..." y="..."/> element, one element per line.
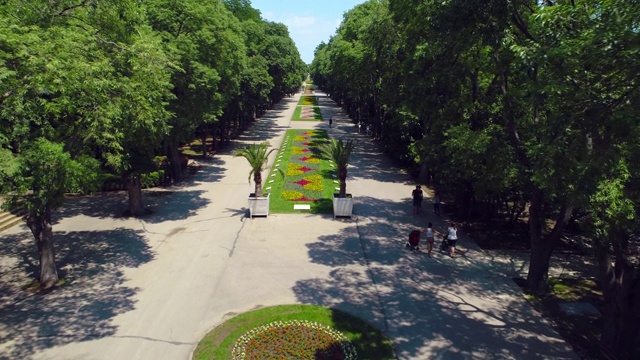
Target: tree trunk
<point x="542" y="246"/>
<point x="621" y="290"/>
<point x="42" y="231"/>
<point x="423" y="176"/>
<point x="342" y="176"/>
<point x="205" y="151"/>
<point x="175" y="163"/>
<point x="134" y="188"/>
<point x="257" y="178"/>
<point x="214" y="135"/>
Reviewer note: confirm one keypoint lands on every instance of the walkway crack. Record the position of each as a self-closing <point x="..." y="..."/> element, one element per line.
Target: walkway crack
<point x="235" y="241"/>
<point x="375" y="283"/>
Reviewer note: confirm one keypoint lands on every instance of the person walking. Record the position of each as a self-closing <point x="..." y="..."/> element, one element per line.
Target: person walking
<point x="452" y="238"/>
<point x="417" y="196"/>
<point x="330" y="121"/>
<point x="436" y="203"/>
<point x="430" y="238"/>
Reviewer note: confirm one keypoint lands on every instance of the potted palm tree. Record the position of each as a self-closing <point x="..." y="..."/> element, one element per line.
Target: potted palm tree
<point x="339" y="151"/>
<point x="258" y="157"/>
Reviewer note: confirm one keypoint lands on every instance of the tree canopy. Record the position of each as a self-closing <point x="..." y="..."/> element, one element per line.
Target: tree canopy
<point x="507" y="106"/>
<point x="92" y="87"/>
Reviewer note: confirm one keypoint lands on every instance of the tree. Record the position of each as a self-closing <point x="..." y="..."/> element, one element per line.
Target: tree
<point x="617" y="247"/>
<point x="207" y="46"/>
<point x="42" y="174"/>
<point x="258" y="158"/>
<point x="339" y="151"/>
<point x="76" y="85"/>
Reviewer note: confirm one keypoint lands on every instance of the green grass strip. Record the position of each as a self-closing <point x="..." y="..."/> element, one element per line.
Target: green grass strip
<point x="368" y="342"/>
<point x="297" y="113"/>
<point x="309" y="179"/>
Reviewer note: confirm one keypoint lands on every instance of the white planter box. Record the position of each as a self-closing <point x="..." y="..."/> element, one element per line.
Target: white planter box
<point x="259" y="206"/>
<point x="342" y="206"/>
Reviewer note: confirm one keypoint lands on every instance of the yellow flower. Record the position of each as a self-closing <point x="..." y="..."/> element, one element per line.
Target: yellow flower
<point x="291" y="195"/>
<point x="294" y="169"/>
<point x="297" y="150"/>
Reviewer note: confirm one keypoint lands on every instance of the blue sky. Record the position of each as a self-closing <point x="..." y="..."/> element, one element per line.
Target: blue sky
<point x="309" y="21"/>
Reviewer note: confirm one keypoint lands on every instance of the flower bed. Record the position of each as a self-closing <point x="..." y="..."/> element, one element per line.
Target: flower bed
<point x="294" y="339"/>
<point x="308" y="100"/>
<point x="308" y="179"/>
<point x="307" y="113"/>
<point x="327" y="331"/>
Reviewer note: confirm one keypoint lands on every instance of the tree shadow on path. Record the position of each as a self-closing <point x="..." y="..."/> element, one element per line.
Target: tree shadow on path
<point x="435" y="307"/>
<point x="92" y="262"/>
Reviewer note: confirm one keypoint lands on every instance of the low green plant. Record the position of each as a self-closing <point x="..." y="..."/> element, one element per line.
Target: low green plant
<point x="369" y="343"/>
<point x="151" y="179"/>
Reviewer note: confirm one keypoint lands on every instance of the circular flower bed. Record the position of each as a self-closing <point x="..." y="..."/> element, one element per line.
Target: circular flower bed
<point x="294" y="339"/>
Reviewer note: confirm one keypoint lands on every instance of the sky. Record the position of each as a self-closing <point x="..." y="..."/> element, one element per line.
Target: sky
<point x="310" y="22"/>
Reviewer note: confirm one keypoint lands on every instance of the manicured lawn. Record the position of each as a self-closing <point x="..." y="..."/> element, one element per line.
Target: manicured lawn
<point x="306" y="113"/>
<point x="368" y="342"/>
<point x="308" y="179"/>
<point x="308" y="100"/>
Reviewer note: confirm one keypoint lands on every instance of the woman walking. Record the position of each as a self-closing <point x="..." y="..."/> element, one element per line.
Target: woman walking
<point x="452" y="238"/>
<point x="430" y="238"/>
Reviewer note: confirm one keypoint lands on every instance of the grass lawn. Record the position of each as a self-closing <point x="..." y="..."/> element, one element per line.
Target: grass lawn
<point x="308" y="179"/>
<point x="298" y="114"/>
<point x="308" y="100"/>
<point x="368" y="342"/>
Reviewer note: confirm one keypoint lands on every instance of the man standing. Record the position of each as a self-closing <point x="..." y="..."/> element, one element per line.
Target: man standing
<point x="417" y="196"/>
<point x="436" y="203"/>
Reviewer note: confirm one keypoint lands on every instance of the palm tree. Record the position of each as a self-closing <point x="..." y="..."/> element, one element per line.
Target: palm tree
<point x="339" y="151"/>
<point x="257" y="156"/>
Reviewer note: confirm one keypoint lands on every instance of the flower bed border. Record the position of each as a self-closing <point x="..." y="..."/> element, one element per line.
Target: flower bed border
<point x="369" y="342"/>
<point x="240" y="346"/>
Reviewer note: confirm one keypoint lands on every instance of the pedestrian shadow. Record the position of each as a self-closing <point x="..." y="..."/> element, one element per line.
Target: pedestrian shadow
<point x="92" y="263"/>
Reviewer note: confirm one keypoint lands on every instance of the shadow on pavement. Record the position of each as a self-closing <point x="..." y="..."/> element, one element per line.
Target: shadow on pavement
<point x="454" y="308"/>
<point x="263" y="129"/>
<point x="81" y="310"/>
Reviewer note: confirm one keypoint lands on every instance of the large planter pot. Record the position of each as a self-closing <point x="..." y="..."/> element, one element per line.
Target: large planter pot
<point x="258" y="206"/>
<point x="342" y="206"/>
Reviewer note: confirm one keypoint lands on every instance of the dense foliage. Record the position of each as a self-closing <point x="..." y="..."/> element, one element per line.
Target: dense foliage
<point x="508" y="105"/>
<point x="89" y="86"/>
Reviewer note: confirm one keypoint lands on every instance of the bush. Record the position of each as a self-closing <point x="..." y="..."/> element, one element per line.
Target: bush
<point x="152" y="179"/>
<point x="111" y="182"/>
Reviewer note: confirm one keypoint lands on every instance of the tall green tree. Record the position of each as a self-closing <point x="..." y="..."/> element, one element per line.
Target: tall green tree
<point x="207" y="45"/>
<point x="79" y="81"/>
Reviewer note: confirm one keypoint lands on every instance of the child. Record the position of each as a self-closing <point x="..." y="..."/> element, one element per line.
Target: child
<point x="452" y="238"/>
<point x="430" y="238"/>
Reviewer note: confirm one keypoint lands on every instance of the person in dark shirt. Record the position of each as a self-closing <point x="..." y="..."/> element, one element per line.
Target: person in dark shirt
<point x="417" y="195"/>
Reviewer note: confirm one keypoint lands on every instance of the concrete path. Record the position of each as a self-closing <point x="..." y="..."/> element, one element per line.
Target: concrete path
<point x="151" y="288"/>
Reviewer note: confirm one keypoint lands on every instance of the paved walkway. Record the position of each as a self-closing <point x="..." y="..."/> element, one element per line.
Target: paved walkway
<point x="151" y="288"/>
